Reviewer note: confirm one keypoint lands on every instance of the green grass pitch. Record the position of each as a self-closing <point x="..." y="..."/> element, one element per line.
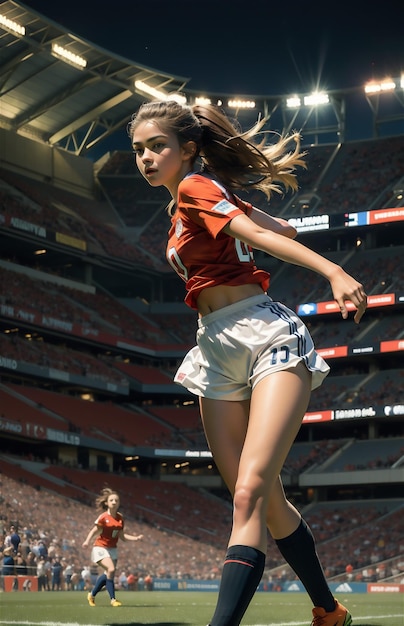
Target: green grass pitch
<point x="184" y="608"/>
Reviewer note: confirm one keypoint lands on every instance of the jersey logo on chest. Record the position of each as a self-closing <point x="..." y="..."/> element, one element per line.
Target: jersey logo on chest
<point x="178" y="228"/>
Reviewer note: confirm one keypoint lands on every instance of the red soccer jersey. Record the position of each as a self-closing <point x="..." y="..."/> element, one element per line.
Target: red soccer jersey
<point x="111" y="526"/>
<point x="197" y="248"/>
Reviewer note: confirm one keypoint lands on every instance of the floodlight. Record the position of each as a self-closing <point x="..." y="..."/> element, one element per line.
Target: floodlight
<point x="202" y="100"/>
<point x="241" y="104"/>
<point x="379" y="87"/>
<point x="158" y="93"/>
<point x="316" y="98"/>
<point x="294" y="102"/>
<point x="151" y="91"/>
<point x="69" y="57"/>
<point x="8" y="24"/>
<point x="388" y="85"/>
<point x="177" y="97"/>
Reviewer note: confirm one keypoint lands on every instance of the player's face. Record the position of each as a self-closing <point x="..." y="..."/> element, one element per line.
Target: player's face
<point x="159" y="156"/>
<point x="113" y="501"/>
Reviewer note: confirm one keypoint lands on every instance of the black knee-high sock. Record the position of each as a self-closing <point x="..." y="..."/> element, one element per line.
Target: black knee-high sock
<point x="110" y="585"/>
<point x="99" y="584"/>
<point x="242" y="571"/>
<point x="299" y="550"/>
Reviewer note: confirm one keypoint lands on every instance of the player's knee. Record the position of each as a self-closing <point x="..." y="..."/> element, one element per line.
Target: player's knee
<point x="248" y="498"/>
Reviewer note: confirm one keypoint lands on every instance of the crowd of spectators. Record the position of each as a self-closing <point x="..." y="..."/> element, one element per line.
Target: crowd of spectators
<point x="61" y="526"/>
<point x="364" y="536"/>
<point x="133" y="198"/>
<point x="170" y="426"/>
<point x="360" y="172"/>
<point x="56" y="210"/>
<point x="61" y="358"/>
<point x="312" y="454"/>
<point x="355" y="176"/>
<point x="347" y="186"/>
<point x="93" y="311"/>
<point x="41" y="530"/>
<point x="367" y="543"/>
<point x="348" y="390"/>
<point x="98" y="419"/>
<point x="102" y="313"/>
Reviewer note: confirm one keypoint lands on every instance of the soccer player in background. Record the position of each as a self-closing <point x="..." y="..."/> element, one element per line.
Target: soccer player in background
<point x="107" y="529"/>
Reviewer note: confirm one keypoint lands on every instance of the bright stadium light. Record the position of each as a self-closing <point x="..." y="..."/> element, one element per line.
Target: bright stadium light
<point x="8" y="24"/>
<point x="151" y="91"/>
<point x="177" y="97"/>
<point x="294" y="102"/>
<point x="380" y="87"/>
<point x="158" y="93"/>
<point x="69" y="57"/>
<point x="241" y="104"/>
<point x="372" y="88"/>
<point x="316" y="98"/>
<point x="202" y="100"/>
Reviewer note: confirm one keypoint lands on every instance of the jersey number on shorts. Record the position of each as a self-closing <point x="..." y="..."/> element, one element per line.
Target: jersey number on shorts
<point x="281" y="355"/>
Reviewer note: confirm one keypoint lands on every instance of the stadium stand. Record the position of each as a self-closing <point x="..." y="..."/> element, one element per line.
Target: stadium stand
<point x="141" y="420"/>
<point x="107" y="419"/>
<point x="93" y="326"/>
<point x="175" y="547"/>
<point x="366" y="455"/>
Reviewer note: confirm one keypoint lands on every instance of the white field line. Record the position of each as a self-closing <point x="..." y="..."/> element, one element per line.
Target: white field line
<point x="358" y="618"/>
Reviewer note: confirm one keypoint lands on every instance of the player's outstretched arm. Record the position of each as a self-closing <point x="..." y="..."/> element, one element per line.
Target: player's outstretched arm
<point x="126" y="537"/>
<point x="344" y="286"/>
<point x="276" y="224"/>
<point x="91" y="535"/>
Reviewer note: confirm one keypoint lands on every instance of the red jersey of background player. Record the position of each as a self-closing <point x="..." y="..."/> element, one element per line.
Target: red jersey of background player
<point x="111" y="527"/>
<point x="197" y="248"/>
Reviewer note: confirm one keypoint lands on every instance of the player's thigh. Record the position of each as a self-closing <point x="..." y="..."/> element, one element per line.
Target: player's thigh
<point x="278" y="405"/>
<point x="107" y="563"/>
<point x="225" y="424"/>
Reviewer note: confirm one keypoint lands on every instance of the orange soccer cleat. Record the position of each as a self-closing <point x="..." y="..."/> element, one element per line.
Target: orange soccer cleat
<point x="339" y="617"/>
<point x="90" y="599"/>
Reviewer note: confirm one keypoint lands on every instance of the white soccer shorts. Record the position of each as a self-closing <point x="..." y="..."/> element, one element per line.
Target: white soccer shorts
<point x="238" y="345"/>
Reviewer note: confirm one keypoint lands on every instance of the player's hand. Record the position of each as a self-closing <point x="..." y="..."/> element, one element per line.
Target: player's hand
<point x="345" y="287"/>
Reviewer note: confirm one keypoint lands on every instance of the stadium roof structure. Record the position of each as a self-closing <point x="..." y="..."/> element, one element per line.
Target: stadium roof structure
<point x="60" y="89"/>
<point x="47" y="95"/>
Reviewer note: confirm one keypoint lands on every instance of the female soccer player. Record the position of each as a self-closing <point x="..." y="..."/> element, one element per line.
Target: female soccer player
<point x="254" y="364"/>
<point x="107" y="529"/>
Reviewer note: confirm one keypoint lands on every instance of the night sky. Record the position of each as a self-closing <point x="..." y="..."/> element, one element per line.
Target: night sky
<point x="255" y="47"/>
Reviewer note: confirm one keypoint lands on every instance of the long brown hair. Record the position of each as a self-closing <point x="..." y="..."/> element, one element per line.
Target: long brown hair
<point x="240" y="160"/>
<point x="102" y="500"/>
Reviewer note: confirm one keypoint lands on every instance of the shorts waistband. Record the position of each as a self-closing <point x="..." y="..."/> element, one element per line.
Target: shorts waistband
<point x="232" y="308"/>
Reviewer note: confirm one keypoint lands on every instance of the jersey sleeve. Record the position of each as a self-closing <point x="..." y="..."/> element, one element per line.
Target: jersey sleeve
<point x="99" y="521"/>
<point x="208" y="204"/>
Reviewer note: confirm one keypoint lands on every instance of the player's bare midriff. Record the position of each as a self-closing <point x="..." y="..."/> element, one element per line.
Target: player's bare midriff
<point x="215" y="298"/>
